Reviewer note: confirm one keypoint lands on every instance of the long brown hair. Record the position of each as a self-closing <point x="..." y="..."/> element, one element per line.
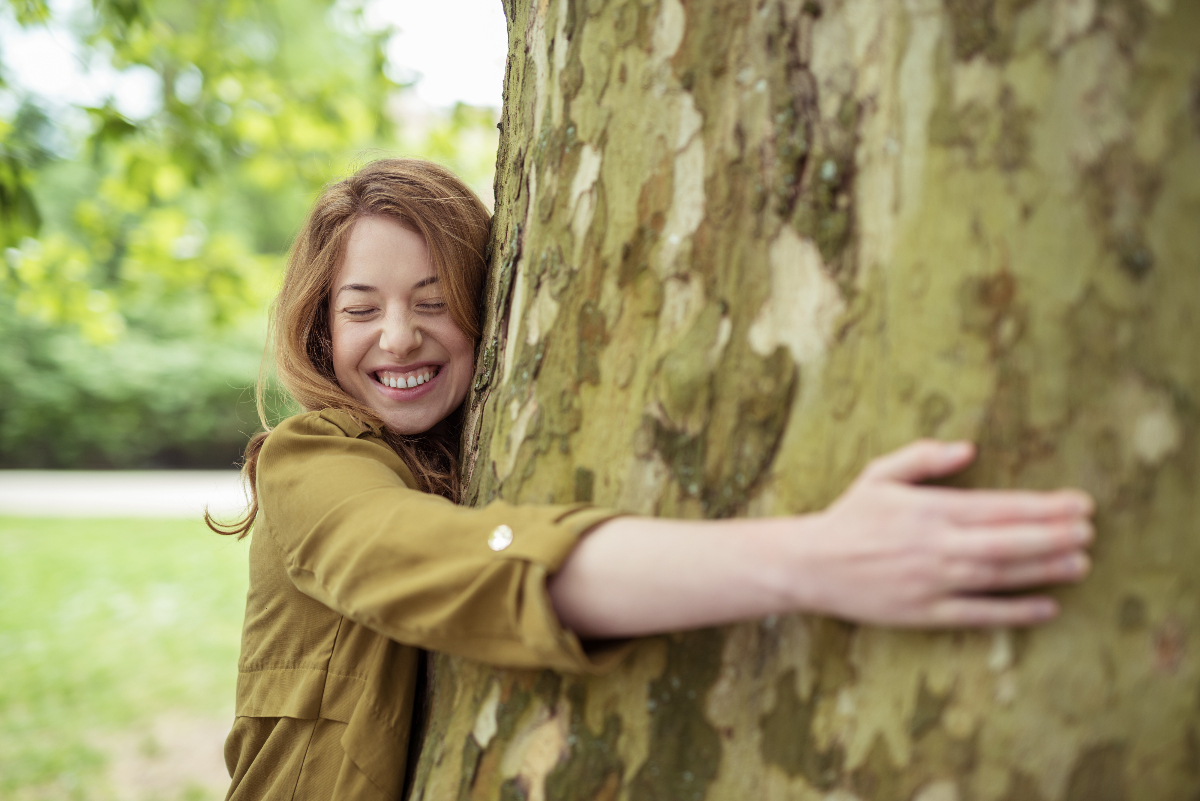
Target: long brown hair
<point x="425" y="198"/>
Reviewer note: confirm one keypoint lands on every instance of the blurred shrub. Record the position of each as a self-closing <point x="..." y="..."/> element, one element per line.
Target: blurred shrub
<point x="157" y="396"/>
<point x="141" y="252"/>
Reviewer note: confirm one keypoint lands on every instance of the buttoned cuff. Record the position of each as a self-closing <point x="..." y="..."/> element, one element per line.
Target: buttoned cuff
<point x="546" y="547"/>
<point x="542" y="535"/>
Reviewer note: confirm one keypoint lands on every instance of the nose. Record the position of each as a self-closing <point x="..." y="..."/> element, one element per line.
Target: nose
<point x="401" y="334"/>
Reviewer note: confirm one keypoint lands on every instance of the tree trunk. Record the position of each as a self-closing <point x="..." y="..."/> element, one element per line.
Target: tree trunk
<point x="740" y="248"/>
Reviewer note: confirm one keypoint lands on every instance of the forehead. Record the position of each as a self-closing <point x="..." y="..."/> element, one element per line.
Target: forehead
<point x="381" y="251"/>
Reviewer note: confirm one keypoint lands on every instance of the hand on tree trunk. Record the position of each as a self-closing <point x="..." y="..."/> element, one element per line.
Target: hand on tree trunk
<point x="888" y="552"/>
<point x="892" y="552"/>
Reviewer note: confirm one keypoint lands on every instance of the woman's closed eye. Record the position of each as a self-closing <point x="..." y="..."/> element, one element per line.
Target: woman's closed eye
<point x="431" y="306"/>
<point x="359" y="311"/>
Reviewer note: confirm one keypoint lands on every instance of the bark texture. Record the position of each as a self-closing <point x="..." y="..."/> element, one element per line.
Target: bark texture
<point x="741" y="247"/>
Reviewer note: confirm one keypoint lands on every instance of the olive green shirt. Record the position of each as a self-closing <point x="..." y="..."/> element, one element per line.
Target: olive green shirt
<point x="351" y="572"/>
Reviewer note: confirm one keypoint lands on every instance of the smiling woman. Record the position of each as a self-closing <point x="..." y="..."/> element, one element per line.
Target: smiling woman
<point x="396" y="347"/>
<point x="373" y="238"/>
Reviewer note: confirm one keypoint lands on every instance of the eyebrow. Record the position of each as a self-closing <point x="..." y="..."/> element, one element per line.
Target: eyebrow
<point x="433" y="279"/>
<point x="355" y="288"/>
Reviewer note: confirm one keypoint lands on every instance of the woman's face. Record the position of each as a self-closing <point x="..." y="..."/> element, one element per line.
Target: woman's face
<point x="396" y="347"/>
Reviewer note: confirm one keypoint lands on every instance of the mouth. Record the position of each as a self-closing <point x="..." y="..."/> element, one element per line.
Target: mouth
<point x="409" y="379"/>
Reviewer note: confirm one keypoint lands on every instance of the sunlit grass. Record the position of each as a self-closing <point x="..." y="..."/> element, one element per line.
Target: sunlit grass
<point x="105" y="624"/>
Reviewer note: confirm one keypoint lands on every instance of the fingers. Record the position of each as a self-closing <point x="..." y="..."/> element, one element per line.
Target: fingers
<point x="974" y="576"/>
<point x="925" y="458"/>
<point x="970" y="611"/>
<point x="1016" y="542"/>
<point x="975" y="507"/>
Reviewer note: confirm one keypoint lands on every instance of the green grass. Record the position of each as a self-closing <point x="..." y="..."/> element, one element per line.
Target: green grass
<point x="105" y="624"/>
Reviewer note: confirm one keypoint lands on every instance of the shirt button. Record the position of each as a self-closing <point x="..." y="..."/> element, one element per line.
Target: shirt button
<point x="501" y="538"/>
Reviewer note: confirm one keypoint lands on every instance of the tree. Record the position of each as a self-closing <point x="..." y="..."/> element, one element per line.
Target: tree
<point x="742" y="247"/>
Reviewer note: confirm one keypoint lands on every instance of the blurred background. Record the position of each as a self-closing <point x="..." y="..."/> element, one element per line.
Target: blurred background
<point x="156" y="157"/>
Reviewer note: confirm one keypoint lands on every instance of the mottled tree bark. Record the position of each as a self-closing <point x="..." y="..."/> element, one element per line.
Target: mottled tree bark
<point x="740" y="247"/>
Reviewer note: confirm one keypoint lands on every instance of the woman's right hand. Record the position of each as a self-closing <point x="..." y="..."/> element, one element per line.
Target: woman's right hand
<point x="892" y="552"/>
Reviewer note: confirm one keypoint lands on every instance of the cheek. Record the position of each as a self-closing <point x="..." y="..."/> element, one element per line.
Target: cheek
<point x="343" y="352"/>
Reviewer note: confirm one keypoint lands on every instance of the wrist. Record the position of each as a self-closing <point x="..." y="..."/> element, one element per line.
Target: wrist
<point x="784" y="572"/>
<point x="799" y="560"/>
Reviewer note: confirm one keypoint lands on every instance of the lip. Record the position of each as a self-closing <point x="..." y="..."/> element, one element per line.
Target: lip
<point x="406" y="393"/>
<point x="403" y="368"/>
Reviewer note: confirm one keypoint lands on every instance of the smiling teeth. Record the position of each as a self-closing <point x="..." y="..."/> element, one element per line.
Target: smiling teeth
<point x="397" y="381"/>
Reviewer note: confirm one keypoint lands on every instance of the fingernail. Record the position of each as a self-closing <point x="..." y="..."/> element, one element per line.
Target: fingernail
<point x="1047" y="610"/>
<point x="1082" y="532"/>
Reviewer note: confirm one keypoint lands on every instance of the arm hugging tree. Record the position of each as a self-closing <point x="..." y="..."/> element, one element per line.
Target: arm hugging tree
<point x="741" y="248"/>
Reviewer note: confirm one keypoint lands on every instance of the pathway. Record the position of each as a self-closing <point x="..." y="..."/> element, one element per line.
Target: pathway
<point x="80" y="493"/>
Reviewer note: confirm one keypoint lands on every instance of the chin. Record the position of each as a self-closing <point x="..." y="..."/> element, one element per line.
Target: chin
<point x="414" y="425"/>
<point x="409" y="427"/>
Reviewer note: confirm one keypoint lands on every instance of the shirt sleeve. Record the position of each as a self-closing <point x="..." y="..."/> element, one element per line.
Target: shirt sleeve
<point x="413" y="566"/>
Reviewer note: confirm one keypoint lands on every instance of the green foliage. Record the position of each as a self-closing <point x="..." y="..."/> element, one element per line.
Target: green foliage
<point x="261" y="103"/>
<point x="103" y="625"/>
<point x="141" y="253"/>
<point x="21" y="152"/>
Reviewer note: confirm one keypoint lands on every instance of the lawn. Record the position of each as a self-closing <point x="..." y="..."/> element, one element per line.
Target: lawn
<point x="118" y="650"/>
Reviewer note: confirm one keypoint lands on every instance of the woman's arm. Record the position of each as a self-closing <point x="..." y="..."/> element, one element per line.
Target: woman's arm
<point x="887" y="552"/>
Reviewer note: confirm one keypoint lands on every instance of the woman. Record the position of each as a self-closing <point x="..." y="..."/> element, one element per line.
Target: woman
<point x="361" y="558"/>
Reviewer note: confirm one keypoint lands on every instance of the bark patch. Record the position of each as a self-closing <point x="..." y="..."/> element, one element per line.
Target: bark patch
<point x="593" y="337"/>
<point x="1022" y="788"/>
<point x="685" y="748"/>
<point x="983" y="27"/>
<point x="1120" y="191"/>
<point x="928" y="712"/>
<point x="593" y="766"/>
<point x="824" y="211"/>
<point x="1099" y="775"/>
<point x="787" y="738"/>
<point x="585" y="481"/>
